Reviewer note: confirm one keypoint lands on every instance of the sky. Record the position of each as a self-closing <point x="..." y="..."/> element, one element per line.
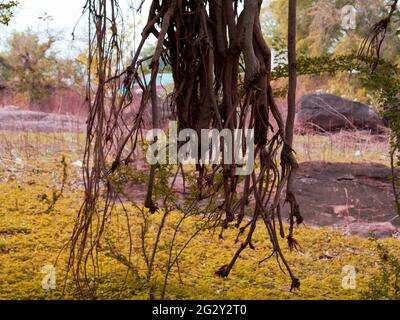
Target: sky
<point x="64" y="15"/>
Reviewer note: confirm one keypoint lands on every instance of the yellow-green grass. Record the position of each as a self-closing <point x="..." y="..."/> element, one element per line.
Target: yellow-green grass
<point x="343" y="147"/>
<point x="31" y="239"/>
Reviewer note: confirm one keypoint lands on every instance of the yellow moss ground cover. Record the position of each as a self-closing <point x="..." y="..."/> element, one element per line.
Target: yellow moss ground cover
<point x="31" y="239"/>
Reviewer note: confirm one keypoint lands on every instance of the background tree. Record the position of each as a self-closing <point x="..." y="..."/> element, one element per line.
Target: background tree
<point x="31" y="66"/>
<point x="320" y="29"/>
<point x="324" y="44"/>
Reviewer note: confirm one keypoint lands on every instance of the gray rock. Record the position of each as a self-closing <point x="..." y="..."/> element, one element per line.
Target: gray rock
<point x="327" y="112"/>
<point x="357" y="196"/>
<point x="12" y="118"/>
<point x="377" y="229"/>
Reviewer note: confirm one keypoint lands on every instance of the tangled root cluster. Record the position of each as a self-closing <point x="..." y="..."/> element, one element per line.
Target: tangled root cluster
<point x="221" y="68"/>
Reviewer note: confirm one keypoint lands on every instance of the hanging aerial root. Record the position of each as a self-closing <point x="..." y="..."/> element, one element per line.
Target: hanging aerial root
<point x="209" y="46"/>
<point x="371" y="46"/>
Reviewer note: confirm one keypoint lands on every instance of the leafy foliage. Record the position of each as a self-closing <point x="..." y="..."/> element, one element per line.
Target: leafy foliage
<point x="386" y="285"/>
<point x="384" y="82"/>
<point x="6" y="11"/>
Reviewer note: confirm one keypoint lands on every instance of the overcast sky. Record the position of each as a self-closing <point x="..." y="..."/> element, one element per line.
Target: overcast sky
<point x="64" y="13"/>
<point x="64" y="16"/>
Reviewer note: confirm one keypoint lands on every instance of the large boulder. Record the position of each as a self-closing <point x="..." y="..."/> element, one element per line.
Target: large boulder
<point x="327" y="112"/>
<point x="354" y="196"/>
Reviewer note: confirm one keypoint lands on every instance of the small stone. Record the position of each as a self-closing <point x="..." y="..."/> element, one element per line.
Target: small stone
<point x="77" y="163"/>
